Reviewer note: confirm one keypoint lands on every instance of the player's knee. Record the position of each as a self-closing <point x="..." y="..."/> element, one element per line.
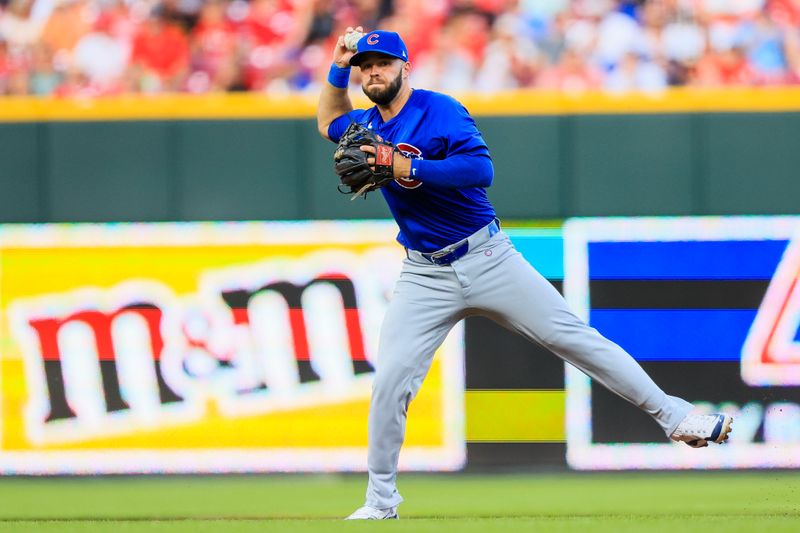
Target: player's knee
<point x="565" y="326"/>
<point x="391" y="387"/>
<point x="387" y="382"/>
<point x="565" y="337"/>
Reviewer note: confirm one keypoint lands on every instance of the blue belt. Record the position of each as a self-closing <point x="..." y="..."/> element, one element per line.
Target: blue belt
<point x="445" y="256"/>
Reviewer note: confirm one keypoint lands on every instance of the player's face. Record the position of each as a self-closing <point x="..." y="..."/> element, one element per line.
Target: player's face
<point x="381" y="78"/>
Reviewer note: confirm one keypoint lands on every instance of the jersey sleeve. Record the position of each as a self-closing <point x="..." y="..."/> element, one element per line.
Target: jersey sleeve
<point x="337" y="127"/>
<point x="461" y="135"/>
<point x="465" y="160"/>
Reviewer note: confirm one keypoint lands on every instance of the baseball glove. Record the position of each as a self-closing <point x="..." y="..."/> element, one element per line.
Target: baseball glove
<point x="350" y="162"/>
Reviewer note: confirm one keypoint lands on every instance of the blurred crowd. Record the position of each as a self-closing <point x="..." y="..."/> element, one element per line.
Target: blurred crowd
<point x="106" y="47"/>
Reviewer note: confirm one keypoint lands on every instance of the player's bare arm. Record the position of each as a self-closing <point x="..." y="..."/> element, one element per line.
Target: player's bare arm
<point x="334" y="101"/>
<point x="363" y="160"/>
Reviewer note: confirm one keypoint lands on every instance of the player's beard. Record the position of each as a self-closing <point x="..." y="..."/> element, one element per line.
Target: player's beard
<point x="385" y="96"/>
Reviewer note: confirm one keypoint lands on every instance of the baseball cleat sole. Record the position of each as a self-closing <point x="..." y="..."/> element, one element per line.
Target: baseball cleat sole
<point x="725" y="429"/>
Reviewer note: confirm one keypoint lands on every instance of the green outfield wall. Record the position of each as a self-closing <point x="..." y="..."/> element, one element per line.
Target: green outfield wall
<point x="550" y="162"/>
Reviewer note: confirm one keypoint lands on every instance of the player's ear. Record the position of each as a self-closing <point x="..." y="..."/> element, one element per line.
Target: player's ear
<point x="406" y="69"/>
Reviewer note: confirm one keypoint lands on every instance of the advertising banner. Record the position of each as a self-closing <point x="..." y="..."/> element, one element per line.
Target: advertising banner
<point x="205" y="347"/>
<point x="710" y="307"/>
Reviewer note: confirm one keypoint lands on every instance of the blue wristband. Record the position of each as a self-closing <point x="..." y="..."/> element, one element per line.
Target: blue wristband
<point x="339" y="77"/>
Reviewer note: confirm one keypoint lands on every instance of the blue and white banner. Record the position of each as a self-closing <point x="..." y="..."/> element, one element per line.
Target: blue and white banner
<point x="710" y="307"/>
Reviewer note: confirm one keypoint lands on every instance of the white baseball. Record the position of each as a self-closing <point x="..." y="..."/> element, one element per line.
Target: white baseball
<point x="351" y="40"/>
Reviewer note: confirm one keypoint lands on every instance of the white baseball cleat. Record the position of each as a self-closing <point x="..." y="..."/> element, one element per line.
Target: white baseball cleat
<point x="698" y="430"/>
<point x="371" y="513"/>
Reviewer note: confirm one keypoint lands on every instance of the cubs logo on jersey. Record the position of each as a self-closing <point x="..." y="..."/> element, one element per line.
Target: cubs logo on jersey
<point x="771" y="353"/>
<point x="413" y="152"/>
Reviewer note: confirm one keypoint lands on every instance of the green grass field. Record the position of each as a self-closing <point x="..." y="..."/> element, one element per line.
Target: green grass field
<point x="652" y="502"/>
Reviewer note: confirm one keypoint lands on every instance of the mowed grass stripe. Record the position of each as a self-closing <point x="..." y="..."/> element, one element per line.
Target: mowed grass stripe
<point x="563" y="502"/>
<point x="625" y="524"/>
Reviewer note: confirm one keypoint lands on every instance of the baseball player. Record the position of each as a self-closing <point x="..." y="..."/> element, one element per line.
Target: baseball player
<point x="459" y="262"/>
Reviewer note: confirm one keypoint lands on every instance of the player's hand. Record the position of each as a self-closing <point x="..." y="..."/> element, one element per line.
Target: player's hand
<point x="341" y="54"/>
<point x="401" y="165"/>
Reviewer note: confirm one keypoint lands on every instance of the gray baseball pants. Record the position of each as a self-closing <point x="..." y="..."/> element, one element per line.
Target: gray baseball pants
<point x="495" y="281"/>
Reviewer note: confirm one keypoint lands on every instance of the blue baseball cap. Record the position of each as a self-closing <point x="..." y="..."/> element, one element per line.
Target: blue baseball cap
<point x="382" y="42"/>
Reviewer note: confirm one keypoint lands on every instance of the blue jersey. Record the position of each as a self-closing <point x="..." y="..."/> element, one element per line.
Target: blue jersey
<point x="431" y="126"/>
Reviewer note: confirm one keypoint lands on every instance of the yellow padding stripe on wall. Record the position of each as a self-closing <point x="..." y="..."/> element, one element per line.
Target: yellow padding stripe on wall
<point x="243" y="106"/>
<point x="515" y="415"/>
<point x="678" y="100"/>
<point x="238" y="106"/>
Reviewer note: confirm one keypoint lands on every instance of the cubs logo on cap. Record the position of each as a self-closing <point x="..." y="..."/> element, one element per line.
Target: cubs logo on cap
<point x="382" y="42"/>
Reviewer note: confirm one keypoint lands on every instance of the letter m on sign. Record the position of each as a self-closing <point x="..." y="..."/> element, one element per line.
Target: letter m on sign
<point x="239" y="303"/>
<point x="100" y="323"/>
